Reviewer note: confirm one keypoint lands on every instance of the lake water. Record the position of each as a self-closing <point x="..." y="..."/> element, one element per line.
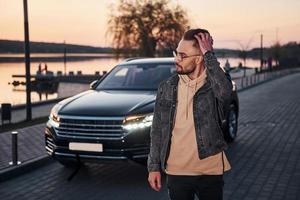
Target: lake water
<point x="16" y="95"/>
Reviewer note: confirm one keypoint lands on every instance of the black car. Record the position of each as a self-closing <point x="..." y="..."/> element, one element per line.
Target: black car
<point x="112" y="120"/>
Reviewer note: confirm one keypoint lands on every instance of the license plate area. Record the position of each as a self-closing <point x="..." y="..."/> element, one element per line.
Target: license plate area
<point x="79" y="146"/>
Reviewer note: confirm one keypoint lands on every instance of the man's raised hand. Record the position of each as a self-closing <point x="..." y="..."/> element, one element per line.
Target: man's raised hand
<point x="205" y="42"/>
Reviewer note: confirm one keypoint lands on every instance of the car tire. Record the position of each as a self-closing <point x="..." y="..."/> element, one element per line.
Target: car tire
<point x="232" y="124"/>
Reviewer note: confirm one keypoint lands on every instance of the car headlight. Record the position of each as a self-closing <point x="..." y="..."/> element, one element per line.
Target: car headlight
<point x="54" y="118"/>
<point x="137" y="122"/>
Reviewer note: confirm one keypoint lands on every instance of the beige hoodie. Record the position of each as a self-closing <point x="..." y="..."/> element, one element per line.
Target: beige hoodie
<point x="183" y="158"/>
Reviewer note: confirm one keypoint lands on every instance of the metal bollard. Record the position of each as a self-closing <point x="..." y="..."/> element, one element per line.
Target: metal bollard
<point x="14" y="149"/>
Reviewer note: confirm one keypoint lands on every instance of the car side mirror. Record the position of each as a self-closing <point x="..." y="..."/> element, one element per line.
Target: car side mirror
<point x="93" y="84"/>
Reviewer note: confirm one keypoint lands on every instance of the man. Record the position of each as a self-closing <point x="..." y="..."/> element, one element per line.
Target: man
<point x="186" y="137"/>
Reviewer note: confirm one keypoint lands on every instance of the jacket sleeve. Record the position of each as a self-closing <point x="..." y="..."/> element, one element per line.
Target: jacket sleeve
<point x="221" y="85"/>
<point x="154" y="162"/>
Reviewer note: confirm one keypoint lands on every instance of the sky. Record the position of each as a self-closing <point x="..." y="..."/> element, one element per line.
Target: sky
<point x="235" y="24"/>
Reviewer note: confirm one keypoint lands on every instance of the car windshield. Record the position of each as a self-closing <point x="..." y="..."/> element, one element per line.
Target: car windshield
<point x="137" y="77"/>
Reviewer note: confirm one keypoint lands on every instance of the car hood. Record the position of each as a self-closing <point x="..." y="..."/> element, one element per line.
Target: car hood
<point x="107" y="103"/>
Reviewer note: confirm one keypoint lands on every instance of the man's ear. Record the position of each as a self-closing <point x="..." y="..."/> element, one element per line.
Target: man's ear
<point x="199" y="60"/>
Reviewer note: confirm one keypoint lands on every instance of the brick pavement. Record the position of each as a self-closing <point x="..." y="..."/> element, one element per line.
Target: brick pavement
<point x="265" y="158"/>
<point x="266" y="155"/>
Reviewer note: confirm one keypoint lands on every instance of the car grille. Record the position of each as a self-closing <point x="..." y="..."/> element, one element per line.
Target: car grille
<point x="49" y="145"/>
<point x="91" y="127"/>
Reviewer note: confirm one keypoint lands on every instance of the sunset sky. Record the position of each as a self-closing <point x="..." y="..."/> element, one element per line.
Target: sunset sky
<point x="84" y="22"/>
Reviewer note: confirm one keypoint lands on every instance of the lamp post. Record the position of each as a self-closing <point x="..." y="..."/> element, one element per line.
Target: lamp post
<point x="261" y="52"/>
<point x="27" y="63"/>
<point x="65" y="58"/>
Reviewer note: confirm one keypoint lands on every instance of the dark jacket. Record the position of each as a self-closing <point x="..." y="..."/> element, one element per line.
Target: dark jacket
<point x="209" y="135"/>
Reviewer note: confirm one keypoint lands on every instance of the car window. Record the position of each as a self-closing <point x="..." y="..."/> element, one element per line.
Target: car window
<point x="143" y="76"/>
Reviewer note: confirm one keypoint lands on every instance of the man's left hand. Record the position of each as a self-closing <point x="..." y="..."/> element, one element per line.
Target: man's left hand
<point x="205" y="42"/>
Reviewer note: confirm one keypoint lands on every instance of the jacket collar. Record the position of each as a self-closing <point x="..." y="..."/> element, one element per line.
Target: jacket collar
<point x="173" y="80"/>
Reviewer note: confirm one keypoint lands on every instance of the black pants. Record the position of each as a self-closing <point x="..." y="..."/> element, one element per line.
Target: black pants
<point x="206" y="187"/>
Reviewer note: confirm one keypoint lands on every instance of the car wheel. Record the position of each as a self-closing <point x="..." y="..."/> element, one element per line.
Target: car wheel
<point x="232" y="124"/>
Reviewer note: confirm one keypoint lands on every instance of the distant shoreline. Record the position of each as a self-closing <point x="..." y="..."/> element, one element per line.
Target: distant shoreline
<point x="12" y="59"/>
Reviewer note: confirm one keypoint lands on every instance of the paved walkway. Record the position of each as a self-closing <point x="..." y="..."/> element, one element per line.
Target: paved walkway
<point x="265" y="158"/>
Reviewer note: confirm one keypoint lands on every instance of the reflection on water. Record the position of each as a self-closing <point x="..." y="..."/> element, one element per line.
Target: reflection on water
<point x="16" y="94"/>
<point x="40" y="92"/>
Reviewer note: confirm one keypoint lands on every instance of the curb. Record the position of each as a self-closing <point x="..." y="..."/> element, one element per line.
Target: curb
<point x="39" y="103"/>
<point x="27" y="166"/>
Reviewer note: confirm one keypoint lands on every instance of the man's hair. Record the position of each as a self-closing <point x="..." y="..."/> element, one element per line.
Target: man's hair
<point x="189" y="35"/>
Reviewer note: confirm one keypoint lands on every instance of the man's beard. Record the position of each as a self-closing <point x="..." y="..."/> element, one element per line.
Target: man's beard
<point x="184" y="71"/>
